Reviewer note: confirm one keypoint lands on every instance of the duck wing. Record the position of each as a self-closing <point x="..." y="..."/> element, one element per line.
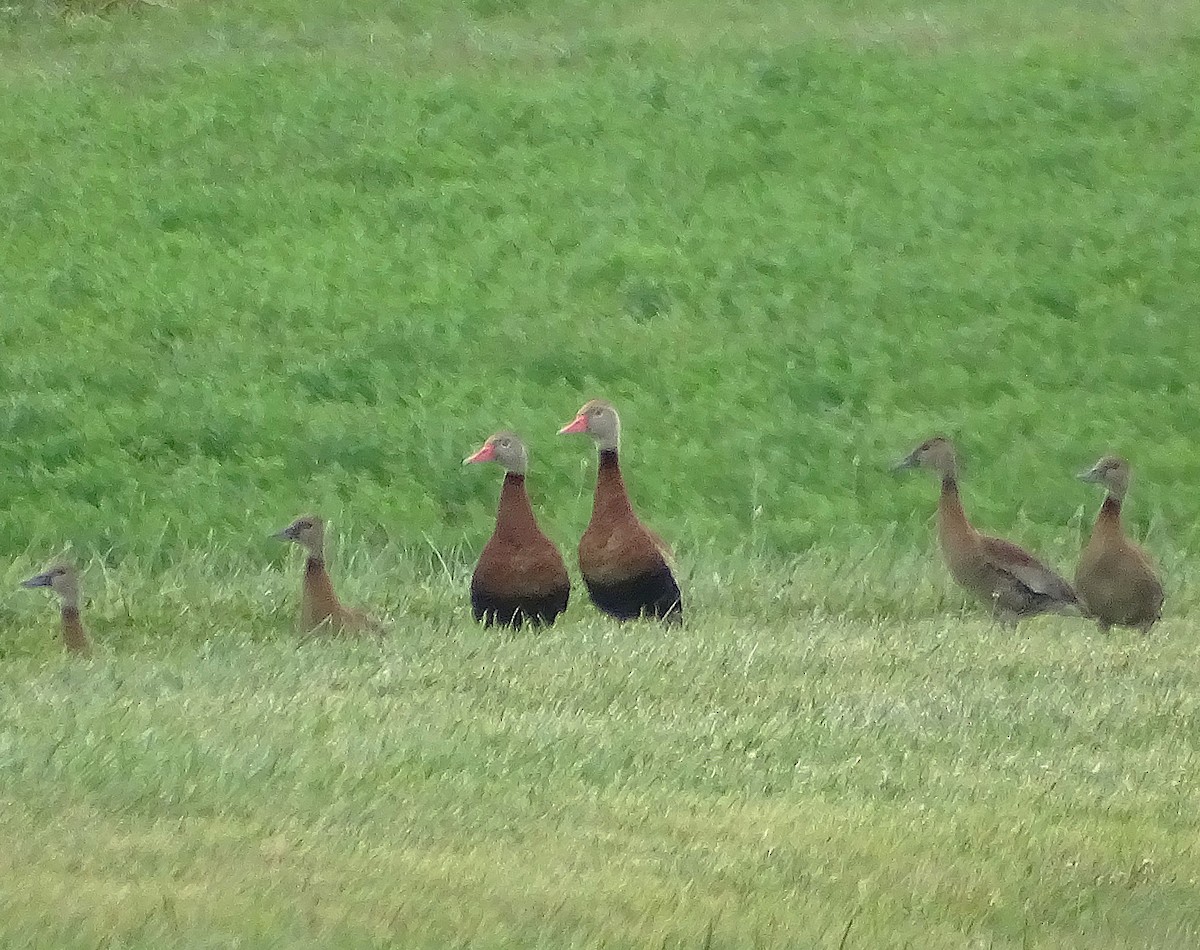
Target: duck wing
<point x="1027" y="570"/>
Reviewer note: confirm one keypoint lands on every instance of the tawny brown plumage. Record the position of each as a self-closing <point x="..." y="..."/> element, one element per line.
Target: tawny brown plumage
<point x="1006" y="578"/>
<point x="520" y="575"/>
<point x="320" y="609"/>
<point x="621" y="560"/>
<point x="1115" y="579"/>
<point x="63" y="579"/>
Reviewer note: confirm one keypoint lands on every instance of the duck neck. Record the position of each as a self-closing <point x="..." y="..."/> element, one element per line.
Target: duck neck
<point x="952" y="519"/>
<point x="1109" y="518"/>
<point x="612" y="500"/>
<point x="318" y="588"/>
<point x="75" y="638"/>
<point x="514" y="514"/>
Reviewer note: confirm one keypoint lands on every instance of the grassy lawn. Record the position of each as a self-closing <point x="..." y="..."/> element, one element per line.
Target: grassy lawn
<point x="268" y="257"/>
<point x="263" y="257"/>
<point x="767" y="777"/>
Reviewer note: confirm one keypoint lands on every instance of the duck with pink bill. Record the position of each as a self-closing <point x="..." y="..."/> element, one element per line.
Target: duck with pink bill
<point x="622" y="561"/>
<point x="520" y="576"/>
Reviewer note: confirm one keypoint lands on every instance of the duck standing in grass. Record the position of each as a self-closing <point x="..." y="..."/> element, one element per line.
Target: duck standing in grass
<point x="320" y="609"/>
<point x="1115" y="579"/>
<point x="63" y="579"/>
<point x="520" y="575"/>
<point x="1007" y="578"/>
<point x="621" y="560"/>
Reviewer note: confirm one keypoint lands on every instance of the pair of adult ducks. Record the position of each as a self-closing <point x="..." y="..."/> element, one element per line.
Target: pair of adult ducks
<point x="521" y="577"/>
<point x="1115" y="582"/>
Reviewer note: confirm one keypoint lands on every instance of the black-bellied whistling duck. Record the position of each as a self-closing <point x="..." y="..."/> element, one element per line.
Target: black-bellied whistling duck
<point x="520" y="575"/>
<point x="621" y="560"/>
<point x="1007" y="578"/>
<point x="1115" y="579"/>
<point x="63" y="579"/>
<point x="320" y="609"/>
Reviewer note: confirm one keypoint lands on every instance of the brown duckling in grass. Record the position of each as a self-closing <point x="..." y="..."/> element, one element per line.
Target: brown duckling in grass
<point x="1115" y="579"/>
<point x="1007" y="578"/>
<point x="320" y="609"/>
<point x="63" y="579"/>
<point x="520" y="575"/>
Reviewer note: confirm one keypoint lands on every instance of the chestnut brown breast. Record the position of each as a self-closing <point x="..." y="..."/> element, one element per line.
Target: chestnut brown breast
<point x="75" y="637"/>
<point x="520" y="576"/>
<point x="1115" y="578"/>
<point x="322" y="611"/>
<point x="621" y="561"/>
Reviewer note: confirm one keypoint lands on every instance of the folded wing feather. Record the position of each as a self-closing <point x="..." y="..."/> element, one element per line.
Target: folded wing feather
<point x="1026" y="569"/>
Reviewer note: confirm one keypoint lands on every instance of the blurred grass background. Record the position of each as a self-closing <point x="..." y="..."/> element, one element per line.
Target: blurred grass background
<point x="268" y="257"/>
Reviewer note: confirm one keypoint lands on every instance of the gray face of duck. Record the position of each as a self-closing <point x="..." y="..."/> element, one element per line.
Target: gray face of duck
<point x="505" y="448"/>
<point x="307" y="530"/>
<point x="598" y="419"/>
<point x="61" y="578"/>
<point x="936" y="454"/>
<point x="1112" y="472"/>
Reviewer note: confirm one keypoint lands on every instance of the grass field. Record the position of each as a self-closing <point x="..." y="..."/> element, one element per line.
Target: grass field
<point x="929" y="785"/>
<point x="267" y="257"/>
<point x="262" y="257"/>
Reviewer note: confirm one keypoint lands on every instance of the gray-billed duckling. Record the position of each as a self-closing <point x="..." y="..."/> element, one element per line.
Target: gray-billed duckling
<point x="520" y="575"/>
<point x="1115" y="579"/>
<point x="320" y="609"/>
<point x="621" y="560"/>
<point x="63" y="579"/>
<point x="1007" y="578"/>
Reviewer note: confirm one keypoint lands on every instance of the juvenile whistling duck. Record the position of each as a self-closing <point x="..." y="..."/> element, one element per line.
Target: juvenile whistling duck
<point x="320" y="608"/>
<point x="64" y="581"/>
<point x="1115" y="579"/>
<point x="520" y="575"/>
<point x="621" y="560"/>
<point x="1007" y="578"/>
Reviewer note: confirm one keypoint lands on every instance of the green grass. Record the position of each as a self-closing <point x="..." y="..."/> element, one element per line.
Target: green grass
<point x="270" y="257"/>
<point x="830" y="743"/>
<point x="778" y="771"/>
